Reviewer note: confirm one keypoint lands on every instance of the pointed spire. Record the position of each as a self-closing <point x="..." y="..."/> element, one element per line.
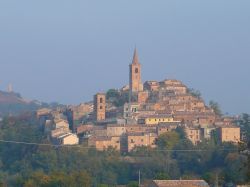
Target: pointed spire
<point x="135" y="58"/>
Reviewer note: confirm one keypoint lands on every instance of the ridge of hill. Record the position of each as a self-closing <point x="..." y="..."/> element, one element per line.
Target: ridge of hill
<point x="12" y="103"/>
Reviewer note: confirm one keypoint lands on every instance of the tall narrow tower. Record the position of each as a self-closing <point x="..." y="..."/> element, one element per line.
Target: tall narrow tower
<point x="10" y="88"/>
<point x="135" y="84"/>
<point x="100" y="106"/>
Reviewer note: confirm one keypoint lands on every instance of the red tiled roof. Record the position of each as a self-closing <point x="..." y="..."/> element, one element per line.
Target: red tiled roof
<point x="180" y="183"/>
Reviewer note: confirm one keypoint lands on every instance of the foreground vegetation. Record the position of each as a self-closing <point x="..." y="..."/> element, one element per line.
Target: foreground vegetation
<point x="175" y="157"/>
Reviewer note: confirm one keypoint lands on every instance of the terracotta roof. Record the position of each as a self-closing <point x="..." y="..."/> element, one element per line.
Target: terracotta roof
<point x="180" y="183"/>
<point x="157" y="116"/>
<point x="84" y="128"/>
<point x="168" y="124"/>
<point x="101" y="138"/>
<point x="116" y="125"/>
<point x="142" y="134"/>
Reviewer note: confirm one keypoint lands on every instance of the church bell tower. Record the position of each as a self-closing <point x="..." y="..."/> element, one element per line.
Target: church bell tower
<point x="135" y="83"/>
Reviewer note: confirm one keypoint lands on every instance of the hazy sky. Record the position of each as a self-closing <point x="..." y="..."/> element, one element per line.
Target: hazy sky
<point x="67" y="50"/>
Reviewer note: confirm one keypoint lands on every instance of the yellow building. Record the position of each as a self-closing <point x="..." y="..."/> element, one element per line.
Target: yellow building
<point x="229" y="134"/>
<point x="156" y="119"/>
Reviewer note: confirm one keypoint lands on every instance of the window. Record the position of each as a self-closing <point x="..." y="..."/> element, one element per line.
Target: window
<point x="136" y="70"/>
<point x="101" y="107"/>
<point x="141" y="140"/>
<point x="101" y="100"/>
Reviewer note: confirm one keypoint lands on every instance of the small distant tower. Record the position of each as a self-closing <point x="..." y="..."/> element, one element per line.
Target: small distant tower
<point x="10" y="88"/>
<point x="100" y="106"/>
<point x="135" y="83"/>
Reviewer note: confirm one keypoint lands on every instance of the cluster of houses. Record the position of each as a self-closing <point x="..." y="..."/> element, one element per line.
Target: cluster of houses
<point x="56" y="126"/>
<point x="153" y="108"/>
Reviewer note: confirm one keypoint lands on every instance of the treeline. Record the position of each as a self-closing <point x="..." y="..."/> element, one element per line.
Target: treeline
<point x="42" y="165"/>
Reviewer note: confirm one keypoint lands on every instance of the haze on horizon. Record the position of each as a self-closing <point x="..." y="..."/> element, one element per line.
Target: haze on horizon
<point x="66" y="51"/>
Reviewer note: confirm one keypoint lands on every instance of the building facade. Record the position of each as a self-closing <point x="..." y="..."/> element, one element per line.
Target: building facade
<point x="100" y="107"/>
<point x="135" y="83"/>
<point x="229" y="134"/>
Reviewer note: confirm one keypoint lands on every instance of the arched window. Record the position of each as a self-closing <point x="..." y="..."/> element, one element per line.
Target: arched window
<point x="101" y="100"/>
<point x="136" y="70"/>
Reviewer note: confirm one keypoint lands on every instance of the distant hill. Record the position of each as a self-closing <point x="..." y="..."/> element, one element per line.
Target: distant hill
<point x="13" y="103"/>
<point x="11" y="98"/>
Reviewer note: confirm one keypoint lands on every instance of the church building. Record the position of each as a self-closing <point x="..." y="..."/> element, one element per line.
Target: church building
<point x="135" y="83"/>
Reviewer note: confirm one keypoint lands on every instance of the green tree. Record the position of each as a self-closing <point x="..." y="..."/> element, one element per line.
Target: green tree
<point x="133" y="184"/>
<point x="168" y="140"/>
<point x="82" y="179"/>
<point x="195" y="93"/>
<point x="112" y="94"/>
<point x="216" y="108"/>
<point x="162" y="176"/>
<point x="245" y="126"/>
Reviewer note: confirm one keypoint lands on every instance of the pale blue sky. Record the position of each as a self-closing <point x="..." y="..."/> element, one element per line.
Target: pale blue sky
<point x="65" y="51"/>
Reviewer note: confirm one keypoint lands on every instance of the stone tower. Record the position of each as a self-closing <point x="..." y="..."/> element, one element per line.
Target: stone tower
<point x="100" y="107"/>
<point x="135" y="84"/>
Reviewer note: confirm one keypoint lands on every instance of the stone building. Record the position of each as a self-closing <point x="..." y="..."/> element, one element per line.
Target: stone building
<point x="67" y="139"/>
<point x="174" y="85"/>
<point x="142" y="97"/>
<point x="195" y="117"/>
<point x="166" y="127"/>
<point x="129" y="109"/>
<point x="193" y="134"/>
<point x="100" y="107"/>
<point x="104" y="142"/>
<point x="116" y="130"/>
<point x="140" y="139"/>
<point x="177" y="183"/>
<point x="207" y="131"/>
<point x="77" y="114"/>
<point x="229" y="134"/>
<point x="151" y="86"/>
<point x="156" y="119"/>
<point x="135" y="83"/>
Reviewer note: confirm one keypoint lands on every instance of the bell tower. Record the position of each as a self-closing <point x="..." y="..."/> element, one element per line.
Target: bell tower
<point x="135" y="84"/>
<point x="100" y="106"/>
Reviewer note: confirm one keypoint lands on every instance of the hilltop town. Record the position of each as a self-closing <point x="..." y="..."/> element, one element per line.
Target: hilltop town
<point x="136" y="115"/>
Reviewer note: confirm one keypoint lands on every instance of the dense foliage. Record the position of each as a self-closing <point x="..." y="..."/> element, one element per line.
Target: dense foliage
<point x="175" y="157"/>
<point x="216" y="107"/>
<point x="195" y="93"/>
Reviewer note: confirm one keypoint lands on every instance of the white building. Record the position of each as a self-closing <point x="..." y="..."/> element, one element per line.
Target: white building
<point x="68" y="139"/>
<point x="61" y="124"/>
